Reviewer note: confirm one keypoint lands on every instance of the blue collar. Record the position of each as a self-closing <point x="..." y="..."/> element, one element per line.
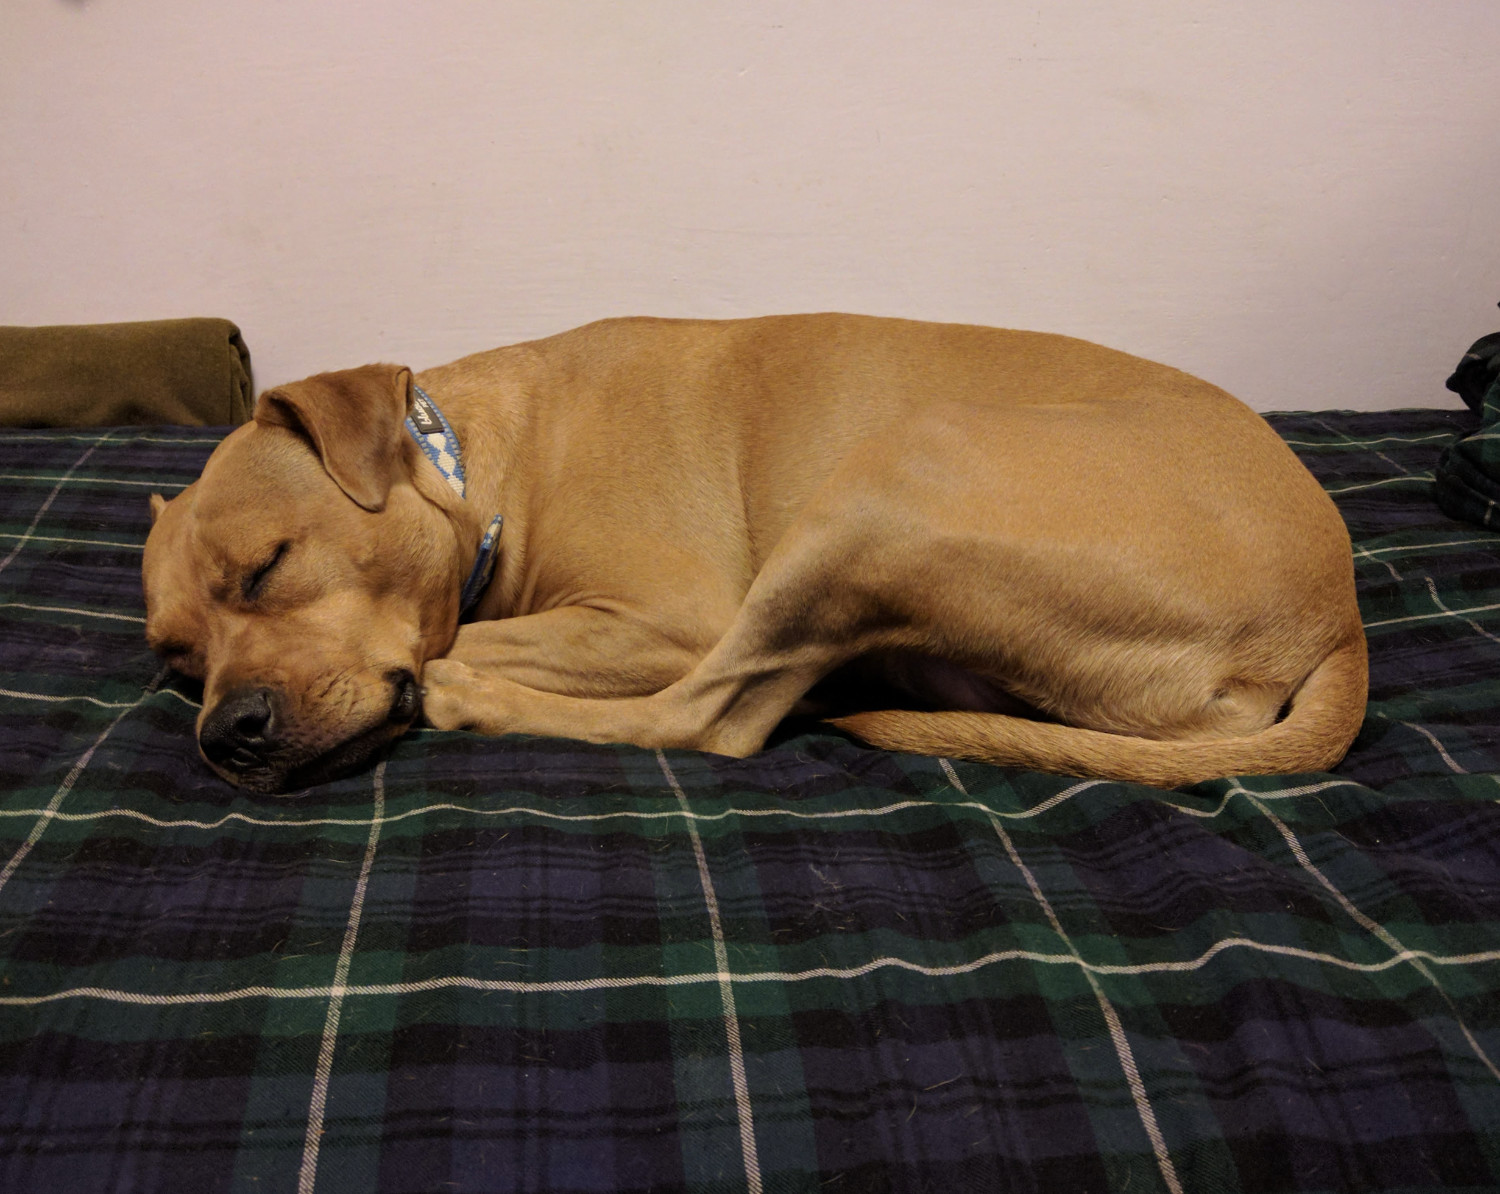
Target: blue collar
<point x="435" y="437"/>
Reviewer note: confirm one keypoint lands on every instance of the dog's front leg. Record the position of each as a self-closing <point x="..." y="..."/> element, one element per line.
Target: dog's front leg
<point x="790" y="630"/>
<point x="573" y="671"/>
<point x="706" y="710"/>
<point x="605" y="650"/>
<point x="531" y="674"/>
<point x="456" y="696"/>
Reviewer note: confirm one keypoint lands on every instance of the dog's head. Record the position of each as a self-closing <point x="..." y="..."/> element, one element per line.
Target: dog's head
<point x="306" y="577"/>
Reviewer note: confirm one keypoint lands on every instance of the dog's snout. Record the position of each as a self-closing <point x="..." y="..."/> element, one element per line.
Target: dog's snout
<point x="240" y="728"/>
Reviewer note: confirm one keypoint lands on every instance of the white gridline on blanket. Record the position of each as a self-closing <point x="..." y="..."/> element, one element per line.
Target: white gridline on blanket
<point x="312" y="1140"/>
<point x="46" y="505"/>
<point x="85" y="479"/>
<point x="1347" y="442"/>
<point x="74" y="610"/>
<point x="1438" y="746"/>
<point x="1112" y="1023"/>
<point x="73" y="542"/>
<point x="115" y="439"/>
<point x="1414" y="479"/>
<point x="723" y="975"/>
<point x="45" y="815"/>
<point x="744" y="1113"/>
<point x="686" y="814"/>
<point x="54" y="698"/>
<point x="1457" y="613"/>
<point x="1371" y="926"/>
<point x="591" y="986"/>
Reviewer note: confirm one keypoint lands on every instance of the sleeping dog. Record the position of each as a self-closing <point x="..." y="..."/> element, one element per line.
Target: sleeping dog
<point x="1008" y="546"/>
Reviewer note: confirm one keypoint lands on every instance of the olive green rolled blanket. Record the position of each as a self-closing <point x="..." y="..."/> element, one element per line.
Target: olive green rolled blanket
<point x="194" y="372"/>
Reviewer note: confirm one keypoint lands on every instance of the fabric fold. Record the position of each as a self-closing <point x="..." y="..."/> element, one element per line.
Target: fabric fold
<point x="192" y="372"/>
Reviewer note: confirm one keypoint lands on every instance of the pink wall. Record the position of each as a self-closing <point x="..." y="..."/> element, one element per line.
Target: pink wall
<point x="1299" y="201"/>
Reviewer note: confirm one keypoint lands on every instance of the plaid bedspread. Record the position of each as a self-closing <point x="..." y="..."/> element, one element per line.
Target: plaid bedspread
<point x="531" y="964"/>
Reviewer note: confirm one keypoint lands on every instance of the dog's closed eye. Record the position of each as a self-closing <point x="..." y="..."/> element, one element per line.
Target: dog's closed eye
<point x="251" y="586"/>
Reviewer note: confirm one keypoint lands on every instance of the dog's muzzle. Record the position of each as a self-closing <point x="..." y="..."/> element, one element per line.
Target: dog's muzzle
<point x="248" y="738"/>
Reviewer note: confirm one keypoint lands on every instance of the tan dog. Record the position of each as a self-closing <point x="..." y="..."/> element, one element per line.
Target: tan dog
<point x="705" y="519"/>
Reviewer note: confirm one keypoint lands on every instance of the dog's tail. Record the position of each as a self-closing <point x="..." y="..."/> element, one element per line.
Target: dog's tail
<point x="1325" y="715"/>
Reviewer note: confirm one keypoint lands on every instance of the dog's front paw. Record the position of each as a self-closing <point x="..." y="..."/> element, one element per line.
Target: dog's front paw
<point x="448" y="691"/>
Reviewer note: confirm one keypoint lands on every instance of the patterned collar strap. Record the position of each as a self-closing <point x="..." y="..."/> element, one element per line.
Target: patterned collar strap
<point x="434" y="435"/>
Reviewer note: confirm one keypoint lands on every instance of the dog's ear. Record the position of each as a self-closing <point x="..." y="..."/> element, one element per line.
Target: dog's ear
<point x="353" y="418"/>
<point x="158" y="504"/>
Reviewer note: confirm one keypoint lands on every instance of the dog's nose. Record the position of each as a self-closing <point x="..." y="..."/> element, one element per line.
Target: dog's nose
<point x="240" y="728"/>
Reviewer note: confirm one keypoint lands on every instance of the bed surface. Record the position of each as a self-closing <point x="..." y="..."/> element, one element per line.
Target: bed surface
<point x="538" y="964"/>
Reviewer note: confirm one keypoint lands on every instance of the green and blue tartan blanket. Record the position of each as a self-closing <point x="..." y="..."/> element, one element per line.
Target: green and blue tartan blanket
<point x="533" y="964"/>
